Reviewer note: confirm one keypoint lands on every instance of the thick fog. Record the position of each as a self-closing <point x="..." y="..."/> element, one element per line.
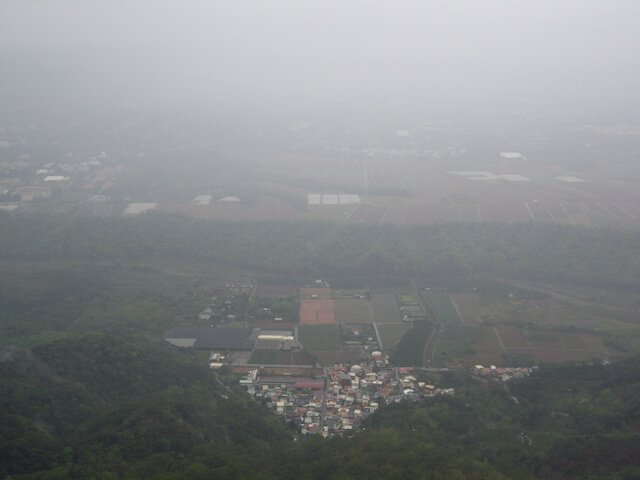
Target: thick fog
<point x="303" y="56"/>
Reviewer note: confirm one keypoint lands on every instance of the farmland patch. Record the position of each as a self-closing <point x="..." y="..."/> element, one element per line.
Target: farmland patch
<point x="486" y="349"/>
<point x="468" y="306"/>
<point x="391" y="334"/>
<point x="443" y="308"/>
<point x="454" y="342"/>
<point x="319" y="337"/>
<point x="385" y="308"/>
<point x="275" y="290"/>
<point x="316" y="311"/>
<point x="313" y="292"/>
<point x="352" y="311"/>
<point x="410" y="350"/>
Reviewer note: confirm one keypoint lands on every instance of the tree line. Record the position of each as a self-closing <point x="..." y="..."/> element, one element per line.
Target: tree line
<point x="588" y="256"/>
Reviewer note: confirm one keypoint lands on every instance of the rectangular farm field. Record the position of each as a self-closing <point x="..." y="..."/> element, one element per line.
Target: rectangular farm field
<point x="408" y="299"/>
<point x="352" y="311"/>
<point x="275" y="290"/>
<point x="487" y="349"/>
<point x="455" y="341"/>
<point x="468" y="306"/>
<point x="316" y="311"/>
<point x="385" y="308"/>
<point x="319" y="337"/>
<point x="511" y="337"/>
<point x="443" y="308"/>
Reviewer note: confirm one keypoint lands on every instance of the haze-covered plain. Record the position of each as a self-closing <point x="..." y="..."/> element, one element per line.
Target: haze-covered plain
<point x="403" y="113"/>
<point x="416" y="112"/>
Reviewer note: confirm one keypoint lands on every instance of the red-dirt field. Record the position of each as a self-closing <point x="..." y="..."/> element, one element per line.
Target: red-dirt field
<point x="317" y="311"/>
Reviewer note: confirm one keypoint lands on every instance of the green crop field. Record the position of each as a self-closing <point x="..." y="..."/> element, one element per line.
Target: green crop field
<point x="455" y="341"/>
<point x="410" y="350"/>
<point x="443" y="308"/>
<point x="408" y="299"/>
<point x="319" y="337"/>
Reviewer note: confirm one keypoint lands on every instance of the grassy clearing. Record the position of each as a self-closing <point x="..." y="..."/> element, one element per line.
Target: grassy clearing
<point x="443" y="308"/>
<point x="319" y="337"/>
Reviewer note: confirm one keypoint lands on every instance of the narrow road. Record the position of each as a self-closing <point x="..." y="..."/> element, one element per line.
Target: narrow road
<point x="499" y="339"/>
<point x="429" y="348"/>
<point x="246" y="313"/>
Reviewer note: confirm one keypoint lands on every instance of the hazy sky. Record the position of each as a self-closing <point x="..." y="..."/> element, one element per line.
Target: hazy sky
<point x="272" y="54"/>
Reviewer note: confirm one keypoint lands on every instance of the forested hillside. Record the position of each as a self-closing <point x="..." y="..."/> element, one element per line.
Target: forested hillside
<point x="101" y="407"/>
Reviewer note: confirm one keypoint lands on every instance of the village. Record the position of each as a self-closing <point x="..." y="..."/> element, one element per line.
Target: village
<point x="341" y="398"/>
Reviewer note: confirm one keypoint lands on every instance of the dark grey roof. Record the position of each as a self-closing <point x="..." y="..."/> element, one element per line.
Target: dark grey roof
<point x="212" y="338"/>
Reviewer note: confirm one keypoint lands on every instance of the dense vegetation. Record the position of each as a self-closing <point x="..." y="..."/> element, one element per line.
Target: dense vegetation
<point x="88" y="390"/>
<point x="593" y="257"/>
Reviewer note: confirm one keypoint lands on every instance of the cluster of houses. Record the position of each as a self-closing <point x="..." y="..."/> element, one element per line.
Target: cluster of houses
<point x="341" y="399"/>
<point x="27" y="180"/>
<point x="503" y="374"/>
<point x="225" y="308"/>
<point x="296" y="400"/>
